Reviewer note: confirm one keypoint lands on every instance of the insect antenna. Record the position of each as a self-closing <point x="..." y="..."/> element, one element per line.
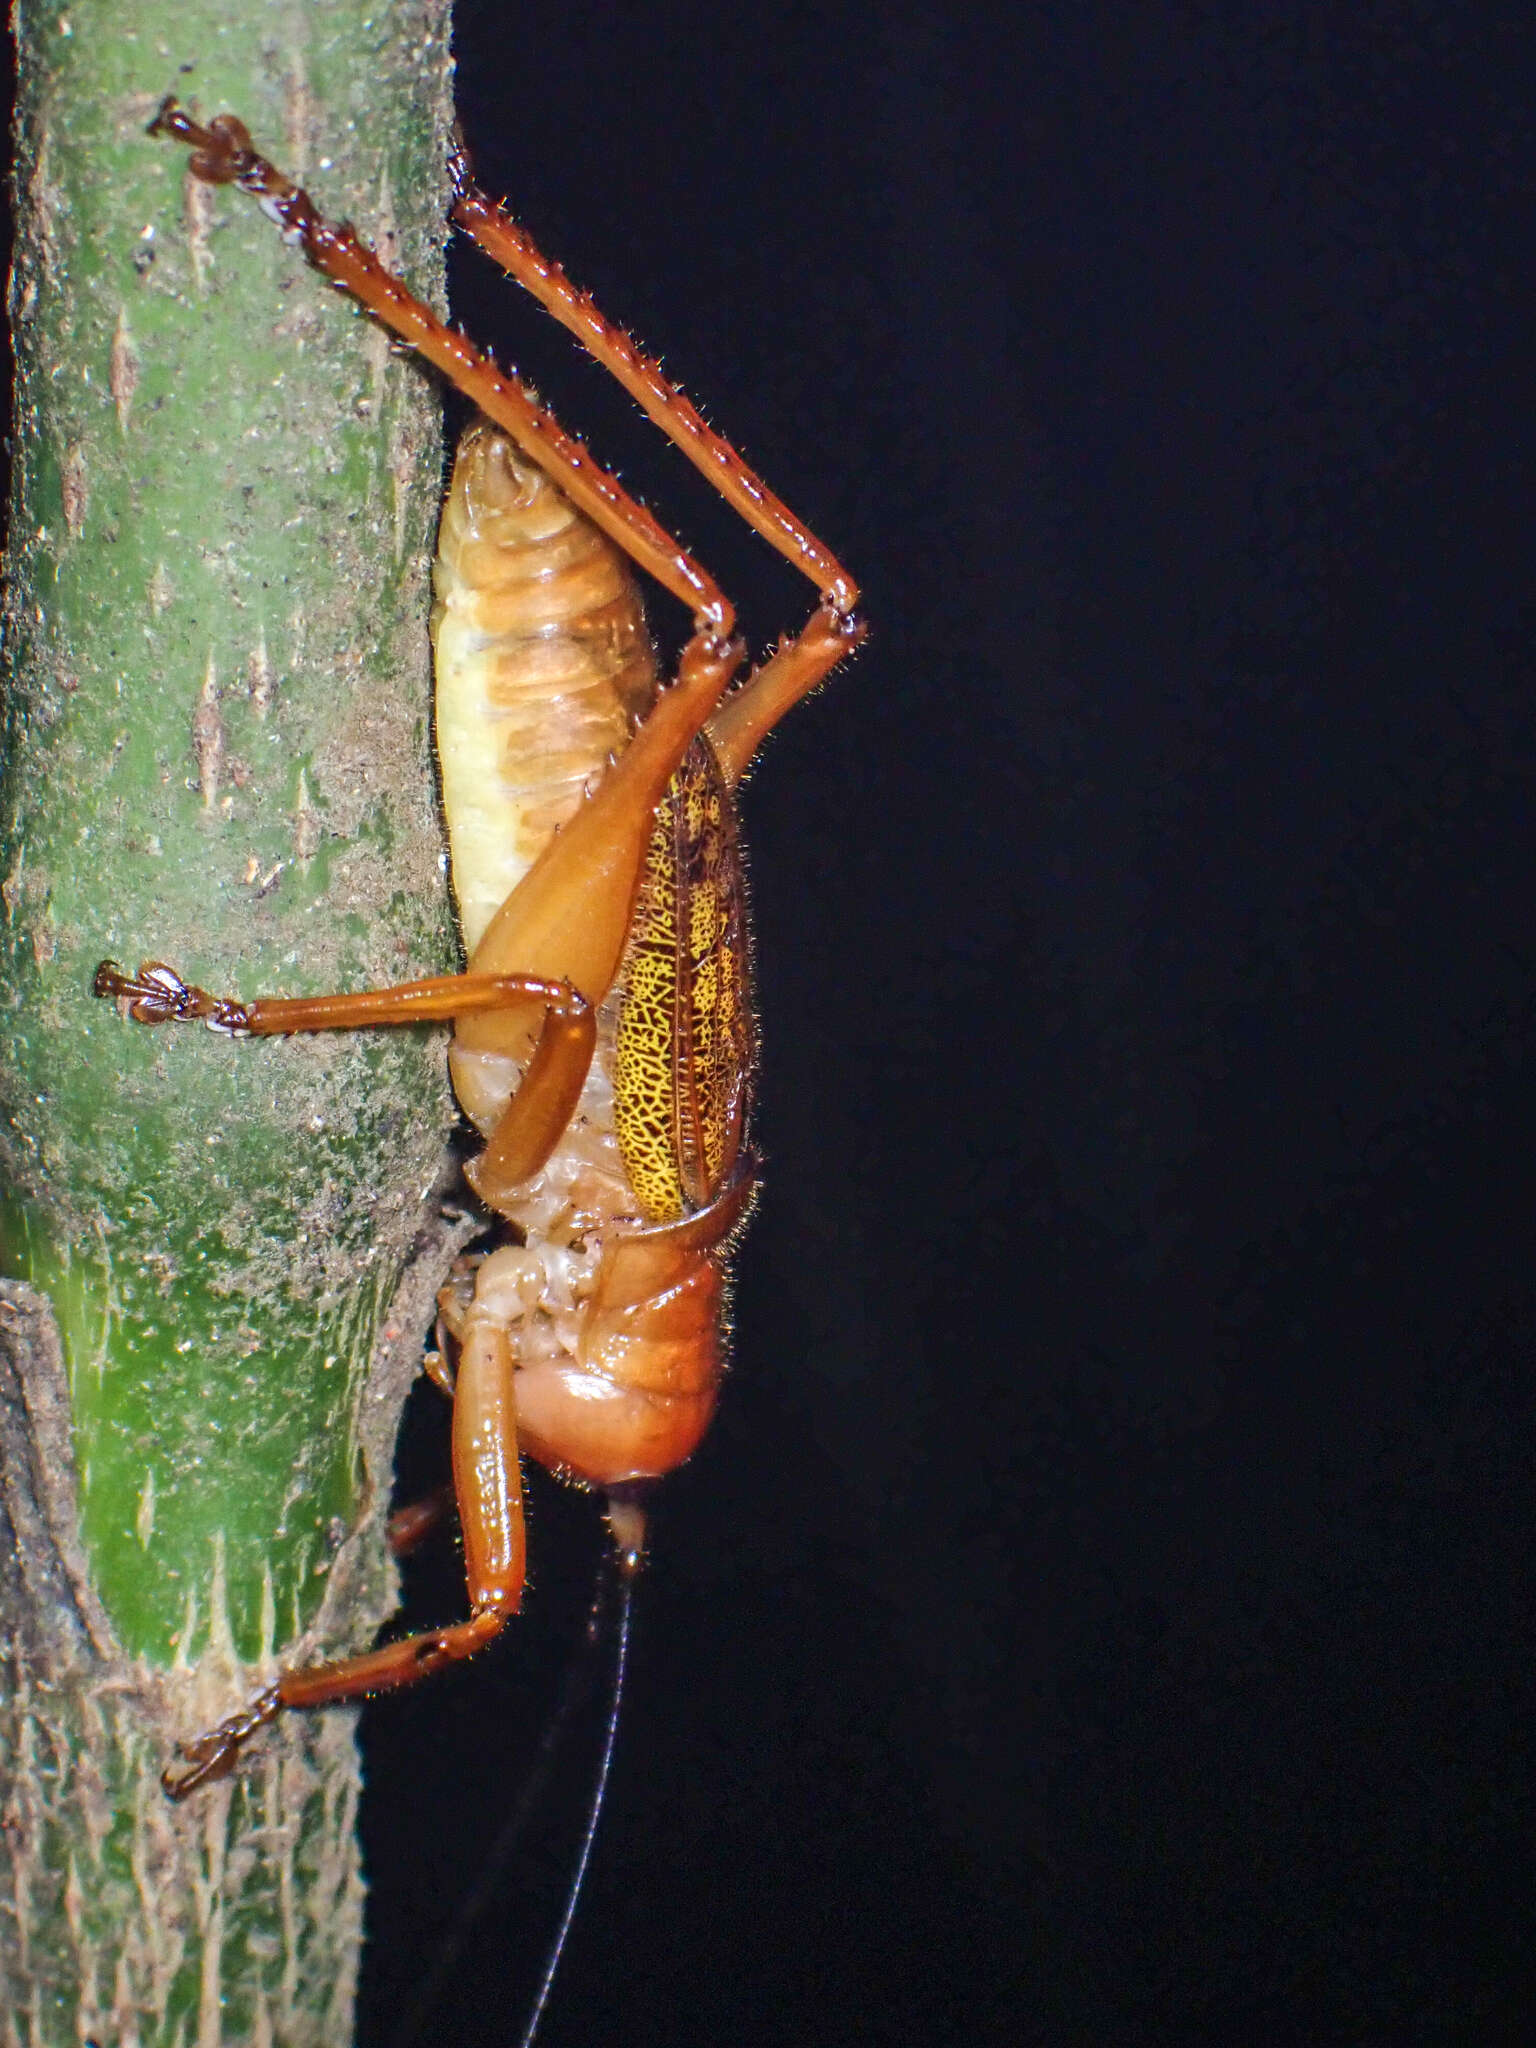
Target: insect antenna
<point x="626" y="1584"/>
<point x="424" y="2005"/>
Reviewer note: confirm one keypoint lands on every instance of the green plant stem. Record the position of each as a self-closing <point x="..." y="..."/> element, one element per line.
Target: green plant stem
<point x="216" y="753"/>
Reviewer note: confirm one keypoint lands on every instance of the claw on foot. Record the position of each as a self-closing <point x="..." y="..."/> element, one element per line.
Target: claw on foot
<point x="214" y="1755"/>
<point x="158" y="995"/>
<point x="220" y="152"/>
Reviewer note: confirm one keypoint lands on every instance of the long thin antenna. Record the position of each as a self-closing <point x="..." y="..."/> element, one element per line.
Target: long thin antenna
<point x="578" y="1678"/>
<point x="594" y="1813"/>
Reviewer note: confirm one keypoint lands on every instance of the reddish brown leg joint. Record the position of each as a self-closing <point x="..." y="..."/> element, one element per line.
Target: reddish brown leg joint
<point x="508" y="243"/>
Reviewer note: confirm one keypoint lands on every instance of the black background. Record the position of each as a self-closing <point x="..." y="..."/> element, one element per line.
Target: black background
<point x="1102" y="1610"/>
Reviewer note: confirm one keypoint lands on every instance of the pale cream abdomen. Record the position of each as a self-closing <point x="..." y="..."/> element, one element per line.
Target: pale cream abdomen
<point x="544" y="667"/>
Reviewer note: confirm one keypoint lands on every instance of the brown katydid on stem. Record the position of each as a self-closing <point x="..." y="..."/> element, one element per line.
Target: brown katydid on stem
<point x="603" y="1030"/>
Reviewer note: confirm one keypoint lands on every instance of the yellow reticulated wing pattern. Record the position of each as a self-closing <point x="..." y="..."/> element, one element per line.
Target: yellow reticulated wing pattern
<point x="685" y="1031"/>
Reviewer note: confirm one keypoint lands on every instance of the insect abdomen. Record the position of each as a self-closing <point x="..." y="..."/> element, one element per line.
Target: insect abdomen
<point x="544" y="667"/>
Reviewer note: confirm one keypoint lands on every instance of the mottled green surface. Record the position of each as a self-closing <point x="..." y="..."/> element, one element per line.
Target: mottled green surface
<point x="227" y="1924"/>
<point x="217" y="754"/>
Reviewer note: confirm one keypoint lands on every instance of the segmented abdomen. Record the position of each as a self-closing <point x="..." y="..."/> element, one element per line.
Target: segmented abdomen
<point x="544" y="667"/>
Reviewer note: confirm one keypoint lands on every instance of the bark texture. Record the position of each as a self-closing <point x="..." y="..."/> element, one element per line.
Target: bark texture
<point x="221" y="1255"/>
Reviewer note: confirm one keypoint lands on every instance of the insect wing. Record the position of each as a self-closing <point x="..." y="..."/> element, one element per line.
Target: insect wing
<point x="685" y="1034"/>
